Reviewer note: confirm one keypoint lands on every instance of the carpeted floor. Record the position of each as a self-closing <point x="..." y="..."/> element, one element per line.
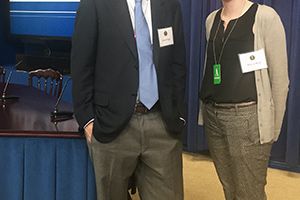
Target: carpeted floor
<point x="201" y="181"/>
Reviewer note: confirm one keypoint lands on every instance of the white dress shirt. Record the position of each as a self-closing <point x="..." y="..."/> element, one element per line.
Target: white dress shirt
<point x="146" y="5"/>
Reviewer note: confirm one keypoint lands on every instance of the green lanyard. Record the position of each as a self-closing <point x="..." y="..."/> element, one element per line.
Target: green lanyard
<point x="217" y="66"/>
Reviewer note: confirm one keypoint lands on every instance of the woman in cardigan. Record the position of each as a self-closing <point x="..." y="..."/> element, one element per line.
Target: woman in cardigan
<point x="243" y="94"/>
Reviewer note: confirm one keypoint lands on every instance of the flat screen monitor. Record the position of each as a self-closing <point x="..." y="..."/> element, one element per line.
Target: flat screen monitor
<point x="42" y="18"/>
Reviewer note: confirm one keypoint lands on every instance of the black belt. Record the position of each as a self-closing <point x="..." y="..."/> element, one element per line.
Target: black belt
<point x="141" y="108"/>
<point x="231" y="105"/>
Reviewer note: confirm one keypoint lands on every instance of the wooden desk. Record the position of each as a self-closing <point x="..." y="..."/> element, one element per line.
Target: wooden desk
<point x="30" y="115"/>
<point x="38" y="159"/>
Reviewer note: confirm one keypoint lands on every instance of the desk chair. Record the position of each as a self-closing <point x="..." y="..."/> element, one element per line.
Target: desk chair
<point x="2" y="74"/>
<point x="48" y="80"/>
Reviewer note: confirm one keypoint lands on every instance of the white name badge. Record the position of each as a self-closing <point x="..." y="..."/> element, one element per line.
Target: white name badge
<point x="165" y="36"/>
<point x="253" y="61"/>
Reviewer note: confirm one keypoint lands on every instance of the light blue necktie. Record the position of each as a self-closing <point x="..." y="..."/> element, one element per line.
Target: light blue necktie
<point x="148" y="90"/>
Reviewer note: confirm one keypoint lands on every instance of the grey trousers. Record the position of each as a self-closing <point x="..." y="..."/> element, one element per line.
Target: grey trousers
<point x="240" y="160"/>
<point x="145" y="149"/>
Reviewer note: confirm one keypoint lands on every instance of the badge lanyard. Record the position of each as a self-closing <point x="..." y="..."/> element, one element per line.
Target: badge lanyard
<point x="217" y="65"/>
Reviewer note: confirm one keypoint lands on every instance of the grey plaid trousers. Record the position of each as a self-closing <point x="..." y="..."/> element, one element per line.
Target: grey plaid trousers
<point x="240" y="160"/>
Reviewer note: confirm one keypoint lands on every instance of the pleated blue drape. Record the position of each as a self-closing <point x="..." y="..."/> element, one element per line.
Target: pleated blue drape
<point x="286" y="152"/>
<point x="45" y="169"/>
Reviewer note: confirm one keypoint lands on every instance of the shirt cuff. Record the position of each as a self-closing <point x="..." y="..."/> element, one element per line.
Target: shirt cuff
<point x="92" y="120"/>
<point x="183" y="120"/>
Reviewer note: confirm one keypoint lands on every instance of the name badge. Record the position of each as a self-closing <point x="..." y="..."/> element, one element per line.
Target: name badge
<point x="253" y="61"/>
<point x="217" y="74"/>
<point x="165" y="36"/>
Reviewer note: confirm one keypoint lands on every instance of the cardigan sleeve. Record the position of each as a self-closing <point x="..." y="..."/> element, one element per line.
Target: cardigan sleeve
<point x="276" y="54"/>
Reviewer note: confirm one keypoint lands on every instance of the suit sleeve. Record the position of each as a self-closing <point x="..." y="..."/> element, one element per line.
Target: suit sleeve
<point x="179" y="62"/>
<point x="83" y="59"/>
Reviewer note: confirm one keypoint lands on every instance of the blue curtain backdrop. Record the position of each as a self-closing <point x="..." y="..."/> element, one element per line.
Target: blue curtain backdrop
<point x="286" y="152"/>
<point x="7" y="50"/>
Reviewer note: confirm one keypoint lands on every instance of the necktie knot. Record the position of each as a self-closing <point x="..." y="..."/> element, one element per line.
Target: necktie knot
<point x="138" y="1"/>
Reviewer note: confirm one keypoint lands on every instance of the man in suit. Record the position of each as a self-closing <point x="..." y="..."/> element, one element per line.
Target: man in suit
<point x="128" y="70"/>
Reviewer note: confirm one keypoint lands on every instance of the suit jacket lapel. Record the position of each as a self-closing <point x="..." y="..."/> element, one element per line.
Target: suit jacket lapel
<point x="121" y="17"/>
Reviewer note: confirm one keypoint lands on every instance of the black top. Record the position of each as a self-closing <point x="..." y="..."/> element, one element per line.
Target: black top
<point x="235" y="86"/>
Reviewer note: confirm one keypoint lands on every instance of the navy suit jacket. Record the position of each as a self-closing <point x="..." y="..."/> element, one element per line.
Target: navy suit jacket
<point x="104" y="65"/>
